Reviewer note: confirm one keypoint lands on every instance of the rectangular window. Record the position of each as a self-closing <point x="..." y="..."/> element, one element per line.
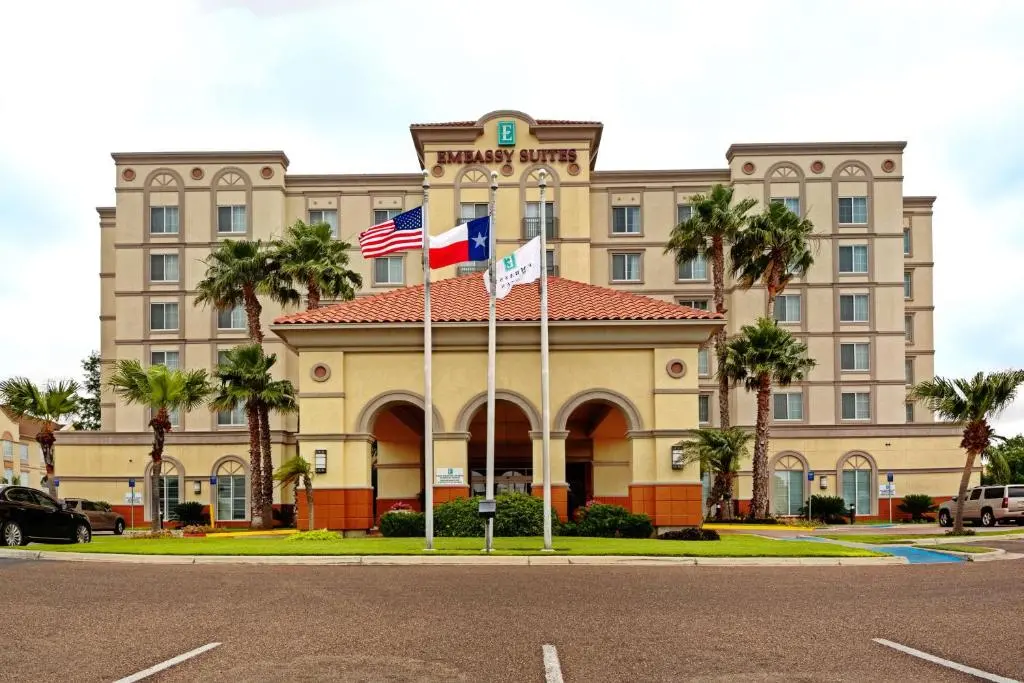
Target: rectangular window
<point x="468" y="212"/>
<point x="683" y="213"/>
<point x="703" y="362"/>
<point x="704" y="409"/>
<point x="791" y="203"/>
<point x="231" y="319"/>
<point x="906" y="241"/>
<point x="170" y="495"/>
<point x="910" y="411"/>
<point x="856" y="405"/>
<point x="230" y="498"/>
<point x="384" y="215"/>
<point x="853" y="259"/>
<point x="8" y="450"/>
<point x="694" y="269"/>
<point x="232" y="418"/>
<point x="857" y="490"/>
<point x="787" y="491"/>
<point x="329" y="216"/>
<point x="169" y="359"/>
<point x="163" y="220"/>
<point x="853" y="210"/>
<point x="163" y="316"/>
<point x="853" y="308"/>
<point x="908" y="370"/>
<point x="699" y="304"/>
<point x="908" y="328"/>
<point x="908" y="285"/>
<point x="163" y="267"/>
<point x="231" y="219"/>
<point x="787" y="308"/>
<point x="23" y="452"/>
<point x="788" y="406"/>
<point x="854" y="357"/>
<point x="625" y="220"/>
<point x="389" y="270"/>
<point x="550" y="262"/>
<point x="625" y="267"/>
<point x="531" y="225"/>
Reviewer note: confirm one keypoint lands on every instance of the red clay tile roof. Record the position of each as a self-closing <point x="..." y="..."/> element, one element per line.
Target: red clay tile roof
<point x="444" y="124"/>
<point x="464" y="299"/>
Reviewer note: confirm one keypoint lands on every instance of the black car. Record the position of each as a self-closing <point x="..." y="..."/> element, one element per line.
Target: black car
<point x="30" y="515"/>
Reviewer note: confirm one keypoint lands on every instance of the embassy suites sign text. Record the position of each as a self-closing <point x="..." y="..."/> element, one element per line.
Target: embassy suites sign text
<point x="499" y="156"/>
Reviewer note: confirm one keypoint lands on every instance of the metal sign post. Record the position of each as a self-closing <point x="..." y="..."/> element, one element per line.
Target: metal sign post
<point x="889" y="477"/>
<point x="131" y="493"/>
<point x="810" y="494"/>
<point x="213" y="500"/>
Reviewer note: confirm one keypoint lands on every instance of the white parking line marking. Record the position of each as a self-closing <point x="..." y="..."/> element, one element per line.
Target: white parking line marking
<point x="146" y="673"/>
<point x="945" y="662"/>
<point x="552" y="668"/>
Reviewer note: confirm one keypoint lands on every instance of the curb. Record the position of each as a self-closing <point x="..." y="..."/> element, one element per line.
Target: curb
<point x="957" y="540"/>
<point x="457" y="560"/>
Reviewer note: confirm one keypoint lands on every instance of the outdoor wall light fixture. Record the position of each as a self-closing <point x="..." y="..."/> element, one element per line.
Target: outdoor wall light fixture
<point x="677" y="457"/>
<point x="320" y="461"/>
<point x="197" y="487"/>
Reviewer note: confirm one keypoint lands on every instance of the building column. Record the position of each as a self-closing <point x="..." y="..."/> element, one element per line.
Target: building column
<point x="343" y="495"/>
<point x="559" y="487"/>
<point x="451" y="457"/>
<point x="670" y="497"/>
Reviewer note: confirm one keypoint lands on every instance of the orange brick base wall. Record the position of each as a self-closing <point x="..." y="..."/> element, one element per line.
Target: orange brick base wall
<point x="883" y="509"/>
<point x="342" y="509"/>
<point x="559" y="498"/>
<point x="667" y="504"/>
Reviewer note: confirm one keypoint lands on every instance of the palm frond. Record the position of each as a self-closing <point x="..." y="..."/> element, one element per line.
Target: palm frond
<point x="981" y="397"/>
<point x="765" y="350"/>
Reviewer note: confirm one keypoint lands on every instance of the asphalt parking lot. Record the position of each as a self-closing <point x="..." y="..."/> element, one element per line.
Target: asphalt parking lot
<point x="105" y="622"/>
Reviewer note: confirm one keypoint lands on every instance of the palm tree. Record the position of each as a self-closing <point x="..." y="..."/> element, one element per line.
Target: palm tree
<point x="716" y="220"/>
<point x="773" y="249"/>
<point x="760" y="356"/>
<point x="245" y="379"/>
<point x="49" y="406"/>
<point x="972" y="403"/>
<point x="161" y="390"/>
<point x="719" y="451"/>
<point x="237" y="272"/>
<point x="310" y="255"/>
<point x="290" y="473"/>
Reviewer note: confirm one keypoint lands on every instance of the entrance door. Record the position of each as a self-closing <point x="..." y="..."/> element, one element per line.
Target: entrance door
<point x="578" y="475"/>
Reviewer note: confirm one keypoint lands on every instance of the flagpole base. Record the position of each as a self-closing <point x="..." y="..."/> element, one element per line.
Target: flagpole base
<point x="547" y="550"/>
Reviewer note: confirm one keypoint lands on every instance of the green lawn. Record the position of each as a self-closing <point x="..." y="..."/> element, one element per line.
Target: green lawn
<point x="733" y="545"/>
<point x="965" y="548"/>
<point x="900" y="538"/>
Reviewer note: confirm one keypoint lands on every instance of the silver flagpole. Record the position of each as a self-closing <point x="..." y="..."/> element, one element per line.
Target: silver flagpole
<point x="428" y="399"/>
<point x="545" y="398"/>
<point x="492" y="334"/>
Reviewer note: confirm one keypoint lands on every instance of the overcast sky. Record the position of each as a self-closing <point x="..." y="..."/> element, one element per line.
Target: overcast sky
<point x="336" y="85"/>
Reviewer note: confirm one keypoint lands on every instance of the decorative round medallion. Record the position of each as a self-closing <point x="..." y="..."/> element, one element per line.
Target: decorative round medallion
<point x="748" y="167"/>
<point x="675" y="368"/>
<point x="320" y="372"/>
<point x="197" y="173"/>
<point x="267" y="173"/>
<point x="573" y="168"/>
<point x="818" y="166"/>
<point x="437" y="171"/>
<point x="888" y="165"/>
<point x="128" y="174"/>
<point x="507" y="170"/>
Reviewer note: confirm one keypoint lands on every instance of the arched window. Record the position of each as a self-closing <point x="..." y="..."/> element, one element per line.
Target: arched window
<point x="857" y="487"/>
<point x="788" y="486"/>
<point x="170" y="488"/>
<point x="231" y="488"/>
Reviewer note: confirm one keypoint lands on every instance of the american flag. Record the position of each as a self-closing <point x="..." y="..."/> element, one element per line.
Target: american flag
<point x="401" y="233"/>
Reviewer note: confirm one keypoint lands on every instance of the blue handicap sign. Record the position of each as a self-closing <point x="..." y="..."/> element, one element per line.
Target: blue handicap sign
<point x="213" y="481"/>
<point x="131" y="483"/>
<point x="810" y="476"/>
<point x="889" y="477"/>
<point x="56" y="483"/>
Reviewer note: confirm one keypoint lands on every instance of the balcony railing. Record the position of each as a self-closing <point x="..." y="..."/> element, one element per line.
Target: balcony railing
<point x="473" y="267"/>
<point x="553" y="269"/>
<point x="531" y="227"/>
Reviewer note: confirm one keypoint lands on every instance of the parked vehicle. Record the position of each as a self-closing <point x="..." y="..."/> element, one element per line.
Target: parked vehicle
<point x="100" y="518"/>
<point x="988" y="506"/>
<point x="30" y="515"/>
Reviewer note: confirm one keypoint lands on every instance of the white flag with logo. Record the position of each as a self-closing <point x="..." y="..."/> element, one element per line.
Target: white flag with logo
<point x="518" y="268"/>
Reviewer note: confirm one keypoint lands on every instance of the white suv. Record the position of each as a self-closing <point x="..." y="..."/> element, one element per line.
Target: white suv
<point x="987" y="505"/>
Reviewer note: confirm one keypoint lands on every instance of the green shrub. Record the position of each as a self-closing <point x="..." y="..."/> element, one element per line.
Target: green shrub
<point x="316" y="535"/>
<point x="917" y="505"/>
<point x="829" y="509"/>
<point x="745" y="520"/>
<point x="567" y="529"/>
<point x="403" y="524"/>
<point x="612" y="521"/>
<point x="520" y="514"/>
<point x="189" y="514"/>
<point x="690" y="534"/>
<point x="459" y="517"/>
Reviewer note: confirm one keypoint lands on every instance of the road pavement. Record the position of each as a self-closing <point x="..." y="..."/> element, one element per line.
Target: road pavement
<point x="103" y="622"/>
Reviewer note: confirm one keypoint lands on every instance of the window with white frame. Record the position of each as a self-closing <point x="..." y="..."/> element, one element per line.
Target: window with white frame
<point x="788" y="406"/>
<point x="231" y="318"/>
<point x="231" y="219"/>
<point x="9" y="476"/>
<point x="388" y="270"/>
<point x="856" y="405"/>
<point x="791" y="203"/>
<point x="910" y="411"/>
<point x="384" y="215"/>
<point x="694" y="269"/>
<point x="329" y="216"/>
<point x="231" y="489"/>
<point x="232" y="418"/>
<point x="8" y="450"/>
<point x="625" y="220"/>
<point x="906" y="241"/>
<point x="853" y="258"/>
<point x="853" y="308"/>
<point x="699" y="304"/>
<point x="908" y="328"/>
<point x="163" y="316"/>
<point x="169" y="489"/>
<point x="704" y="362"/>
<point x="163" y="267"/>
<point x="532" y="224"/>
<point x="683" y="213"/>
<point x="908" y="370"/>
<point x="787" y="308"/>
<point x="23" y="453"/>
<point x="857" y="484"/>
<point x="854" y="356"/>
<point x="469" y="211"/>
<point x="704" y="409"/>
<point x="788" y="486"/>
<point x="908" y="285"/>
<point x="163" y="220"/>
<point x="169" y="359"/>
<point x="853" y="210"/>
<point x="626" y="267"/>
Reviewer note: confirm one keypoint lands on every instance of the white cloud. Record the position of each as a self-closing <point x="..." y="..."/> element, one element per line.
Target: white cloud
<point x="336" y="84"/>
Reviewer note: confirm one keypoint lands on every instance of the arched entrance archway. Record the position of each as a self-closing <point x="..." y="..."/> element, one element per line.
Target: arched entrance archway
<point x="598" y="455"/>
<point x="397" y="469"/>
<point x="513" y="449"/>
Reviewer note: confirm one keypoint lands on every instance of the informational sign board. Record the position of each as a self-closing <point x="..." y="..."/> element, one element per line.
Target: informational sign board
<point x="887" y="490"/>
<point x="449" y="476"/>
<point x="132" y="498"/>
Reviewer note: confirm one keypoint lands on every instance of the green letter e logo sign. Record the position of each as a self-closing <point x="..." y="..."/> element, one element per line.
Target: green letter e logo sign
<point x="509" y="262"/>
<point x="506" y="133"/>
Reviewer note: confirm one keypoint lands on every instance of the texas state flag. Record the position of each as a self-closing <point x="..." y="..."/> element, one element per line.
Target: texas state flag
<point x="467" y="242"/>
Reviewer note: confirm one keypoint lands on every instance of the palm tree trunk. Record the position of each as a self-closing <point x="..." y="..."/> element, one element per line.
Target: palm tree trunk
<point x="255" y="466"/>
<point x="309" y="500"/>
<point x="965" y="480"/>
<point x="268" y="466"/>
<point x="727" y="479"/>
<point x="252" y="314"/>
<point x="312" y="295"/>
<point x="46" y="440"/>
<point x="155" y="523"/>
<point x="759" y="501"/>
<point x="160" y="424"/>
<point x="295" y="501"/>
<point x="718" y="275"/>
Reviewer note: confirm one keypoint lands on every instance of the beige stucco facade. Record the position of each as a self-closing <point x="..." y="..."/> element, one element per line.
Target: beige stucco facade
<point x="20" y="455"/>
<point x="608" y="229"/>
